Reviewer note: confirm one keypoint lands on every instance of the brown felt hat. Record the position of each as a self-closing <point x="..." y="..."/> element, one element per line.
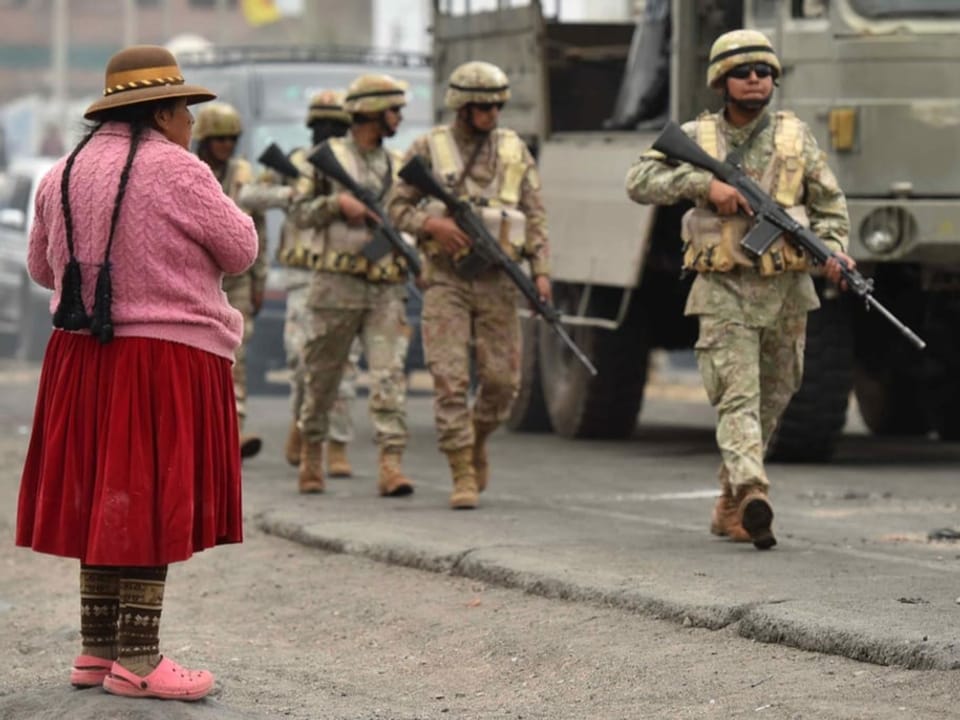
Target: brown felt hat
<point x="143" y="73"/>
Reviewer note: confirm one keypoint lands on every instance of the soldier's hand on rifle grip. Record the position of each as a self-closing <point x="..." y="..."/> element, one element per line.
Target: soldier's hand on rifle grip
<point x="448" y="234"/>
<point x="833" y="268"/>
<point x="544" y="289"/>
<point x="353" y="211"/>
<point x="727" y="199"/>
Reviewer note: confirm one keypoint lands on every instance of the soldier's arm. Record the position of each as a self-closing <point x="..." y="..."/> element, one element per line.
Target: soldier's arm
<point x="651" y="180"/>
<point x="316" y="212"/>
<point x="824" y="200"/>
<point x="536" y="247"/>
<point x="267" y="192"/>
<point x="404" y="199"/>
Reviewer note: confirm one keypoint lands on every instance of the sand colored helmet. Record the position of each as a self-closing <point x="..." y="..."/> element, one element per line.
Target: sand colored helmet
<point x="476" y="82"/>
<point x="217" y="119"/>
<point x="375" y="93"/>
<point x="736" y="48"/>
<point x="327" y="105"/>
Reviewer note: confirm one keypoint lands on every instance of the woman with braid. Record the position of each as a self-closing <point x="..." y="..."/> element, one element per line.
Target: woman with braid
<point x="133" y="461"/>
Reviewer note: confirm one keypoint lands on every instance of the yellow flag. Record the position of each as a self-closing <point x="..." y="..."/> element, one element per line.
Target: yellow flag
<point x="260" y="12"/>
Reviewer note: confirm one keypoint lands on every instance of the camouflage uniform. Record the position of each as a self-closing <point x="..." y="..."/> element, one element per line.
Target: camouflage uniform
<point x="502" y="178"/>
<point x="349" y="297"/>
<point x="752" y="324"/>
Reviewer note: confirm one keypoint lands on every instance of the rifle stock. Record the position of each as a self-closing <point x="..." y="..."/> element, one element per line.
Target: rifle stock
<point x="486" y="251"/>
<point x="275" y="159"/>
<point x="385" y="236"/>
<point x="771" y="219"/>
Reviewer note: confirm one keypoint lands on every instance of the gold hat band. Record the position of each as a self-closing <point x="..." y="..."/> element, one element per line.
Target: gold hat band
<point x="142" y="77"/>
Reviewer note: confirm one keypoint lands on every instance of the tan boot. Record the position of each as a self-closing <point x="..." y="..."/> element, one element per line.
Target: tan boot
<point x="465" y="495"/>
<point x="481" y="465"/>
<point x="725" y="520"/>
<point x="338" y="464"/>
<point x="311" y="467"/>
<point x="756" y="515"/>
<point x="291" y="450"/>
<point x="392" y="482"/>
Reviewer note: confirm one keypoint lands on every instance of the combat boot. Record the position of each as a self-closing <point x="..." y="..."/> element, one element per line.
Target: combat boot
<point x="250" y="445"/>
<point x="481" y="465"/>
<point x="338" y="464"/>
<point x="465" y="495"/>
<point x="725" y="519"/>
<point x="756" y="515"/>
<point x="311" y="467"/>
<point x="291" y="450"/>
<point x="392" y="482"/>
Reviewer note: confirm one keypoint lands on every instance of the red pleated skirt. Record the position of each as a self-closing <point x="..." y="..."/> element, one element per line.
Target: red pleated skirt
<point x="134" y="457"/>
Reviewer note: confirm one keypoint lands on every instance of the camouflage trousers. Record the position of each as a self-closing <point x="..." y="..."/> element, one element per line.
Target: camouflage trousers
<point x="456" y="312"/>
<point x="296" y="329"/>
<point x="239" y="291"/>
<point x="750" y="374"/>
<point x="374" y="314"/>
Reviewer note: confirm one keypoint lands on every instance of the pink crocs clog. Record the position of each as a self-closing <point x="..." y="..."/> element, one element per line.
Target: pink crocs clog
<point x="168" y="681"/>
<point x="89" y="670"/>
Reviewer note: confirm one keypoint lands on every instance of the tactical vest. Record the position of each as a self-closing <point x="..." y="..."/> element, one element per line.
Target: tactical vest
<point x="712" y="242"/>
<point x="496" y="203"/>
<point x="343" y="244"/>
<point x="297" y="245"/>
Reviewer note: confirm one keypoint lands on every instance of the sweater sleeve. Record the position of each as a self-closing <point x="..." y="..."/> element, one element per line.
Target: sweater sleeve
<point x="215" y="222"/>
<point x="37" y="263"/>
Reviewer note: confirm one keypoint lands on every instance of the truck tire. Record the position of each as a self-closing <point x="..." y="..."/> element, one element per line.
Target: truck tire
<point x="890" y="403"/>
<point x="580" y="405"/>
<point x="814" y="419"/>
<point x="529" y="411"/>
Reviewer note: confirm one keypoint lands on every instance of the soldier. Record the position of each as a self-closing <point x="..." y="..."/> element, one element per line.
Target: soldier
<point x="349" y="296"/>
<point x="752" y="315"/>
<point x="492" y="168"/>
<point x="325" y="118"/>
<point x="216" y="132"/>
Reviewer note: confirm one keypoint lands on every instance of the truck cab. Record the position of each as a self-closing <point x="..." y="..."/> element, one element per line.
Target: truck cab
<point x="876" y="82"/>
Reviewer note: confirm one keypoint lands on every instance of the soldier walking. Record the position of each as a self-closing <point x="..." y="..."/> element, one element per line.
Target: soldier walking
<point x="491" y="168"/>
<point x="216" y="132"/>
<point x="349" y="296"/>
<point x="752" y="315"/>
<point x="326" y="118"/>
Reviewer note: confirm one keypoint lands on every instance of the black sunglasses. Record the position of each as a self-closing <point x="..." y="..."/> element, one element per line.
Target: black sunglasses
<point x="487" y="107"/>
<point x="742" y="72"/>
<point x="396" y="109"/>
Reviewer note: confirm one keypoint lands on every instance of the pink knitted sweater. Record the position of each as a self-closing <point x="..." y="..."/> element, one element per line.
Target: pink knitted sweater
<point x="177" y="234"/>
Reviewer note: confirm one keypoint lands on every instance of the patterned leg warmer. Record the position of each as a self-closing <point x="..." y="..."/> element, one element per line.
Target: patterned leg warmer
<point x="141" y="602"/>
<point x="99" y="603"/>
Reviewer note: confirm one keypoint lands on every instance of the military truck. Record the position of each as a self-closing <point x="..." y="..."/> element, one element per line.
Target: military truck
<point x="877" y="82"/>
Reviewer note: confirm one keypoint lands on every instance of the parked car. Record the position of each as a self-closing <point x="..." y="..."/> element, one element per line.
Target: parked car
<point x="25" y="321"/>
<point x="271" y="89"/>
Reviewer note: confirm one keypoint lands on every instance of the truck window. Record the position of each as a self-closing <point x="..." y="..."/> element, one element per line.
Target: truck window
<point x="906" y="8"/>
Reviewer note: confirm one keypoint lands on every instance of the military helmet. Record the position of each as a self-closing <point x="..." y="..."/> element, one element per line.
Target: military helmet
<point x="217" y="119"/>
<point x="327" y="105"/>
<point x="736" y="48"/>
<point x="375" y="93"/>
<point x="476" y="82"/>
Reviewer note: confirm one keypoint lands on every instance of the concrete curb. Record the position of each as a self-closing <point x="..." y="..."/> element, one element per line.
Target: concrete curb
<point x="794" y="623"/>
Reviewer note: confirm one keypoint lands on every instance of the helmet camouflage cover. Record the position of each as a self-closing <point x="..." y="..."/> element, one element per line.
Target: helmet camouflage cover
<point x="217" y="119"/>
<point x="375" y="93"/>
<point x="736" y="48"/>
<point x="476" y="82"/>
<point x="327" y="105"/>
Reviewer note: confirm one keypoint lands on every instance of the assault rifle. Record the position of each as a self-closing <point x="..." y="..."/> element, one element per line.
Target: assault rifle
<point x="486" y="251"/>
<point x="385" y="236"/>
<point x="771" y="219"/>
<point x="273" y="158"/>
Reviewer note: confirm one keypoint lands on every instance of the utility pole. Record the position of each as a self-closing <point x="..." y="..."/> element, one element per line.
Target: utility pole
<point x="129" y="23"/>
<point x="58" y="65"/>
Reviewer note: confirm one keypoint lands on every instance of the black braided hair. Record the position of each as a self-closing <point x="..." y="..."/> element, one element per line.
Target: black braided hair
<point x="101" y="324"/>
<point x="70" y="313"/>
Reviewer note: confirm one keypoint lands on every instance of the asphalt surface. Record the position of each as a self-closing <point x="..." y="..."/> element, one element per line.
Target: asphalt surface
<point x="624" y="524"/>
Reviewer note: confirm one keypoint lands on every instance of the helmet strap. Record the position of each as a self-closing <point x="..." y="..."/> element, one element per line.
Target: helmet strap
<point x="466" y="117"/>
